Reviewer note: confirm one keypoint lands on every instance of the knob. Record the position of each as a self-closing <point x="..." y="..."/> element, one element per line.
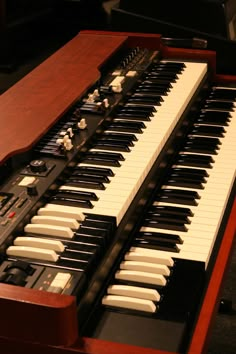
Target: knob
<point x="32" y="189"/>
<point x="38" y="166"/>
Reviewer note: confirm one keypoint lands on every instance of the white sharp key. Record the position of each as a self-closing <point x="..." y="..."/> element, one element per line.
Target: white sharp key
<point x="145" y="267"/>
<point x="141" y="277"/>
<point x="55" y="220"/>
<point x="50" y="230"/>
<point x="134" y="291"/>
<point x="147" y="255"/>
<point x="131" y="303"/>
<point x="37" y="242"/>
<point x="62" y="210"/>
<point x="31" y="252"/>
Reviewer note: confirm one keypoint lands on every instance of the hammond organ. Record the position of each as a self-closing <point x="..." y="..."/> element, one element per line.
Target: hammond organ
<point x="117" y="198"/>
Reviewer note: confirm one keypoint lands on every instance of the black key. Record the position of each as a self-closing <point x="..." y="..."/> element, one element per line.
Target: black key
<point x="153" y="101"/>
<point x="190" y="171"/>
<point x="120" y="136"/>
<point x="168" y="225"/>
<point x="114" y="145"/>
<point x="219" y="105"/>
<point x="137" y="107"/>
<point x="95" y="229"/>
<point x="208" y="130"/>
<point x="195" y="160"/>
<point x="156" y="245"/>
<point x="117" y="140"/>
<point x="203" y="140"/>
<point x="72" y="202"/>
<point x="180" y="192"/>
<point x="163" y="216"/>
<point x="76" y="182"/>
<point x="146" y="235"/>
<point x="93" y="240"/>
<point x="185" y="183"/>
<point x="101" y="161"/>
<point x="152" y="89"/>
<point x="80" y="194"/>
<point x="223" y="94"/>
<point x="86" y="176"/>
<point x="171" y="210"/>
<point x="105" y="155"/>
<point x="95" y="170"/>
<point x="126" y="126"/>
<point x="143" y="117"/>
<point x="214" y="118"/>
<point x="177" y="196"/>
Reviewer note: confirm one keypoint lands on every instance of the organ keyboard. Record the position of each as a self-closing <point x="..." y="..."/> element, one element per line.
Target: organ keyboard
<point x="108" y="203"/>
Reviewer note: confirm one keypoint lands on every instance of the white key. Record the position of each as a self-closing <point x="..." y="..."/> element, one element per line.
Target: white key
<point x="129" y="303"/>
<point x="147" y="255"/>
<point x="50" y="230"/>
<point x="134" y="291"/>
<point x="62" y="210"/>
<point x="141" y="277"/>
<point x="55" y="220"/>
<point x="32" y="252"/>
<point x="37" y="242"/>
<point x="145" y="267"/>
